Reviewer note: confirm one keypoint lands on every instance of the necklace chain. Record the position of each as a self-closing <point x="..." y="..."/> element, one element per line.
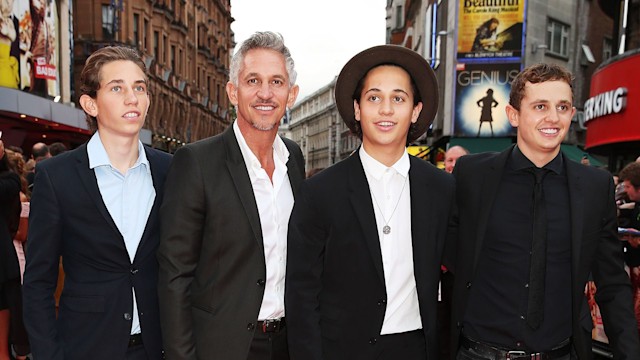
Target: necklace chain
<point x="386" y="229"/>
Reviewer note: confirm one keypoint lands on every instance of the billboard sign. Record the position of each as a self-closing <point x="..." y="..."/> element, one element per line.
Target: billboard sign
<point x="29" y="46"/>
<point x="490" y="29"/>
<point x="482" y="92"/>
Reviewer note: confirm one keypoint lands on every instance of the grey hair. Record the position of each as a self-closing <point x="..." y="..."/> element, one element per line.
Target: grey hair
<point x="262" y="40"/>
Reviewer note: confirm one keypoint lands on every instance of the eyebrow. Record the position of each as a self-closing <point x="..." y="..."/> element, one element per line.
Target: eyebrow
<point x="255" y="74"/>
<point x="120" y="81"/>
<point x="394" y="90"/>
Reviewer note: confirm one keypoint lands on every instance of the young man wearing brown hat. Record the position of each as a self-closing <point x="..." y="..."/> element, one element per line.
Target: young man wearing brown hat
<point x="366" y="235"/>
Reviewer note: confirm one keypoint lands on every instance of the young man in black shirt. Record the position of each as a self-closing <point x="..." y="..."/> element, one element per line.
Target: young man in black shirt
<point x="526" y="244"/>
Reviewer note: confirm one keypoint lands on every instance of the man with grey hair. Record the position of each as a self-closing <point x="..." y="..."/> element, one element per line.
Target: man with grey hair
<point x="224" y="223"/>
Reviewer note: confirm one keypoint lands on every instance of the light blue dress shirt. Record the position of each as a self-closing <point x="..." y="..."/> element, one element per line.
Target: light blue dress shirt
<point x="128" y="198"/>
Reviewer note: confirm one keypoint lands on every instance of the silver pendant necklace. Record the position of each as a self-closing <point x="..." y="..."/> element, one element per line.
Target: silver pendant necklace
<point x="386" y="229"/>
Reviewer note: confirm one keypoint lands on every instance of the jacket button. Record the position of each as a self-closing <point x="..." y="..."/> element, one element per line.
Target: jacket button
<point x="458" y="324"/>
<point x="260" y="282"/>
<point x="469" y="285"/>
<point x="373" y="341"/>
<point x="134" y="271"/>
<point x="127" y="316"/>
<point x="251" y="326"/>
<point x="382" y="302"/>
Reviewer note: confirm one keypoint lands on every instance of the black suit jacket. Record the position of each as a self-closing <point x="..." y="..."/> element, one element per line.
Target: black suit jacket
<point x="68" y="218"/>
<point x="595" y="248"/>
<point x="335" y="290"/>
<point x="212" y="265"/>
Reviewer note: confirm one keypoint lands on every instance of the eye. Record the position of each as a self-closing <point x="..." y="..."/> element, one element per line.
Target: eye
<point x="374" y="98"/>
<point x="539" y="107"/>
<point x="278" y="82"/>
<point x="563" y="107"/>
<point x="398" y="99"/>
<point x="116" y="88"/>
<point x="252" y="81"/>
<point x="140" y="88"/>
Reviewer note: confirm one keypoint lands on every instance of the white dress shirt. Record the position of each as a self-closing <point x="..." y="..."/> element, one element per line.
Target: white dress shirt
<point x="128" y="197"/>
<point x="391" y="198"/>
<point x="274" y="199"/>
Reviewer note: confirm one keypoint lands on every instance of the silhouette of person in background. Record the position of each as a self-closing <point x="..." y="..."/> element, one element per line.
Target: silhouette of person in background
<point x="487" y="103"/>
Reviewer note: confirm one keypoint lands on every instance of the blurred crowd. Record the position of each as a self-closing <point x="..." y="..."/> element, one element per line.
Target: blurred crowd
<point x="16" y="182"/>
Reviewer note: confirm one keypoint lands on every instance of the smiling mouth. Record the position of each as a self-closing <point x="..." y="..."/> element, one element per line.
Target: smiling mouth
<point x="131" y="115"/>
<point x="385" y="123"/>
<point x="553" y="131"/>
<point x="264" y="107"/>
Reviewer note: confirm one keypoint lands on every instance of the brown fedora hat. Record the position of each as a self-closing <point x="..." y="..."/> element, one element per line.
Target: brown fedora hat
<point x="417" y="67"/>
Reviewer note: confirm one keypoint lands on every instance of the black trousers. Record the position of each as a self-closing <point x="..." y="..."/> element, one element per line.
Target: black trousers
<point x="137" y="353"/>
<point x="406" y="346"/>
<point x="269" y="346"/>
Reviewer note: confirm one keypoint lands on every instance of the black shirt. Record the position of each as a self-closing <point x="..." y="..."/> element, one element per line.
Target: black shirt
<point x="498" y="298"/>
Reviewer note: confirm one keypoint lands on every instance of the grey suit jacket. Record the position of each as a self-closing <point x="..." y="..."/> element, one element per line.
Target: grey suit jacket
<point x="595" y="249"/>
<point x="211" y="255"/>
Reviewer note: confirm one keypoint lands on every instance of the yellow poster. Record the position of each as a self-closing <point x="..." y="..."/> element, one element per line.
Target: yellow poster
<point x="490" y="28"/>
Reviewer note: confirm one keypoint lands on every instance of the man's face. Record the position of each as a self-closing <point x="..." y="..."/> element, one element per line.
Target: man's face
<point x="543" y="119"/>
<point x="262" y="94"/>
<point x="122" y="101"/>
<point x="632" y="192"/>
<point x="451" y="157"/>
<point x="386" y="110"/>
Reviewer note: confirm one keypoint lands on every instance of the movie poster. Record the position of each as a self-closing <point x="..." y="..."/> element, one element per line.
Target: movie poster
<point x="482" y="92"/>
<point x="490" y="28"/>
<point x="28" y="46"/>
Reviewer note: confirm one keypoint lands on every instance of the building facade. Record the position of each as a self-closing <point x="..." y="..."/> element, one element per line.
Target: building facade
<point x="186" y="45"/>
<point x="317" y="127"/>
<point x="576" y="34"/>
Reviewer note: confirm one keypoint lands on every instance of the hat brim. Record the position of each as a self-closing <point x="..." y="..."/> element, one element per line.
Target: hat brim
<point x="412" y="62"/>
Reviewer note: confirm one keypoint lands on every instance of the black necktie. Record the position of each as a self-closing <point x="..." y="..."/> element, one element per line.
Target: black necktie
<point x="535" y="310"/>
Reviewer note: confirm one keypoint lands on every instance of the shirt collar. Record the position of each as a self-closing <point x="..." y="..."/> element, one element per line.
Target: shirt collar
<point x="98" y="154"/>
<point x="519" y="161"/>
<point x="279" y="149"/>
<point x="377" y="169"/>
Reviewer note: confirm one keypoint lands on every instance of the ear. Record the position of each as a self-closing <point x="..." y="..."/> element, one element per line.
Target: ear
<point x="573" y="111"/>
<point x="232" y="93"/>
<point x="293" y="95"/>
<point x="416" y="112"/>
<point x="356" y="110"/>
<point x="513" y="115"/>
<point x="89" y="105"/>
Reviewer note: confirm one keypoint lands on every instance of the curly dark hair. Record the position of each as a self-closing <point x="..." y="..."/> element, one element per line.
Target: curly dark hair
<point x="535" y="74"/>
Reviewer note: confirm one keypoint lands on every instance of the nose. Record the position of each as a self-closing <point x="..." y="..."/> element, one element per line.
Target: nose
<point x="264" y="92"/>
<point x="553" y="115"/>
<point x="130" y="97"/>
<point x="386" y="107"/>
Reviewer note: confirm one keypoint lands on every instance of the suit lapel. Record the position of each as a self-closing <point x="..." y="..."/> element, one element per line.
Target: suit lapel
<point x="361" y="201"/>
<point x="293" y="171"/>
<point x="88" y="178"/>
<point x="576" y="197"/>
<point x="154" y="166"/>
<point x="421" y="233"/>
<point x="489" y="185"/>
<point x="242" y="182"/>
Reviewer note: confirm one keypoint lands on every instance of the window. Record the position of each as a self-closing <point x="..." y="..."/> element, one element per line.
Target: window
<point x="607" y="48"/>
<point x="399" y="17"/>
<point x="180" y="60"/>
<point x="156" y="45"/>
<point x="136" y="30"/>
<point x="558" y="38"/>
<point x="108" y="16"/>
<point x="145" y="44"/>
<point x="173" y="58"/>
<point x="165" y="48"/>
